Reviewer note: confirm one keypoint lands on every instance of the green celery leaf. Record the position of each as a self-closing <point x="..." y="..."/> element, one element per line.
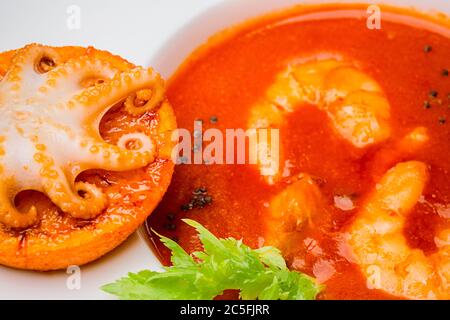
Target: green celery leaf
<point x="224" y="264"/>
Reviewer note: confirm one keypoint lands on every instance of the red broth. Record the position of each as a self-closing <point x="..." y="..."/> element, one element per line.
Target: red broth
<point x="225" y="77"/>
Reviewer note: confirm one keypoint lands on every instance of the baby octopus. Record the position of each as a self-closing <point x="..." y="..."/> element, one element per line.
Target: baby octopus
<point x="380" y="248"/>
<point x="354" y="102"/>
<point x="49" y="130"/>
<point x="52" y="102"/>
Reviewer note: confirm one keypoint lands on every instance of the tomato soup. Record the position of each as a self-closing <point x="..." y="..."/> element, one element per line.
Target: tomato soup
<point x="408" y="58"/>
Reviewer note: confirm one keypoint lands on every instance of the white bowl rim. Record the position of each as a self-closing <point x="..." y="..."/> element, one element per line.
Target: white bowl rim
<point x="231" y="13"/>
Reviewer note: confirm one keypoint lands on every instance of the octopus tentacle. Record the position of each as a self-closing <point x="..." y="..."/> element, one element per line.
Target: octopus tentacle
<point x="10" y="215"/>
<point x="146" y="99"/>
<point x="135" y="141"/>
<point x="103" y="155"/>
<point x="60" y="184"/>
<point x="98" y="99"/>
<point x="81" y="200"/>
<point x="75" y="75"/>
<point x="27" y="73"/>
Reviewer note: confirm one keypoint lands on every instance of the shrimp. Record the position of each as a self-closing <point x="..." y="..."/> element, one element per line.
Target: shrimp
<point x="380" y="249"/>
<point x="354" y="102"/>
<point x="291" y="210"/>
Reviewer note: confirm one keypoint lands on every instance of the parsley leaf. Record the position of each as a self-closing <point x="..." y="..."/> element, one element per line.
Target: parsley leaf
<point x="224" y="264"/>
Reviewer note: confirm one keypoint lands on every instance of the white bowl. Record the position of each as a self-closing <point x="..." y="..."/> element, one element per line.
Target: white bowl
<point x="232" y="12"/>
<point x="165" y="53"/>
